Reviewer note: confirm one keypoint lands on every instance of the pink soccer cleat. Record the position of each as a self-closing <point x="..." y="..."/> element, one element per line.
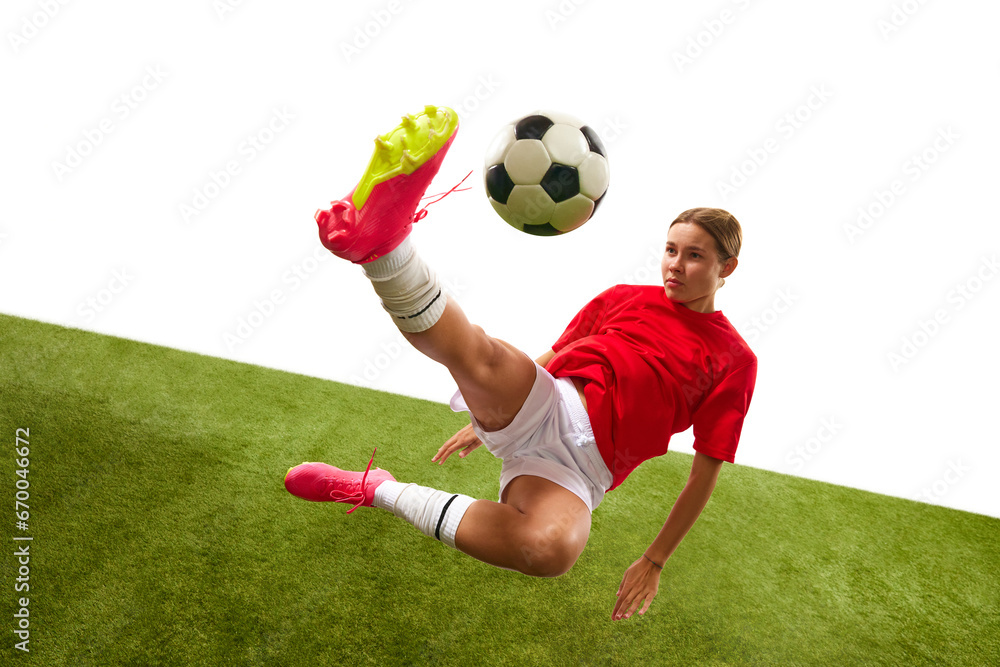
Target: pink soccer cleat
<point x="320" y="482"/>
<point x="379" y="213"/>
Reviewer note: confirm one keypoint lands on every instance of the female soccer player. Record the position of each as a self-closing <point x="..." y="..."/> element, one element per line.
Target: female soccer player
<point x="636" y="365"/>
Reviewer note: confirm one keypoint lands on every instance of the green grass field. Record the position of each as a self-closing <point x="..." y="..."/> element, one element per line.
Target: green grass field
<point x="163" y="536"/>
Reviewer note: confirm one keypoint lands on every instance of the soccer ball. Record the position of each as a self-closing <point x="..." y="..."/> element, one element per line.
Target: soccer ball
<point x="546" y="173"/>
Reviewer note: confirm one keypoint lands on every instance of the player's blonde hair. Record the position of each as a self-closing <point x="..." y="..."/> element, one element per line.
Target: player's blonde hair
<point x="721" y="226"/>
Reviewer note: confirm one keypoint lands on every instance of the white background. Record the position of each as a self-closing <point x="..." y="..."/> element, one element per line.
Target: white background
<point x="100" y="241"/>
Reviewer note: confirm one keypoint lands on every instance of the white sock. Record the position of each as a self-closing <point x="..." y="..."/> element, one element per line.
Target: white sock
<point x="409" y="289"/>
<point x="434" y="513"/>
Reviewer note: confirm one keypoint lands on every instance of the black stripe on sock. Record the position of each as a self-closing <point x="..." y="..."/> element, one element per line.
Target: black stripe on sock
<point x="422" y="310"/>
<point x="437" y="531"/>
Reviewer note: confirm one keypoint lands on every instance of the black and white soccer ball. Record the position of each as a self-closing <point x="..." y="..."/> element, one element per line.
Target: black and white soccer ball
<point x="546" y="173"/>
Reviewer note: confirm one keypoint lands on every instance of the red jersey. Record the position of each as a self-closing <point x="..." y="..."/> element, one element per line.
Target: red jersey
<point x="654" y="368"/>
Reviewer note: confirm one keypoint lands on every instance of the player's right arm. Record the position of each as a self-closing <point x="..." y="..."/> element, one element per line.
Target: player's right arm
<point x="544" y="360"/>
<point x="466" y="440"/>
<point x="587" y="322"/>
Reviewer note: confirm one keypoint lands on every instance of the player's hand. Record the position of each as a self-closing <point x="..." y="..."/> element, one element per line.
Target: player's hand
<point x="462" y="442"/>
<point x="638" y="587"/>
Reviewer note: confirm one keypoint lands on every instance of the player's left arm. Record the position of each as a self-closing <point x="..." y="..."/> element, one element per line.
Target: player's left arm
<point x="642" y="579"/>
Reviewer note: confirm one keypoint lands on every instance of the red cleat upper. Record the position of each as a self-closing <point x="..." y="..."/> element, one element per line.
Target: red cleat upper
<point x="320" y="482"/>
<point x="385" y="219"/>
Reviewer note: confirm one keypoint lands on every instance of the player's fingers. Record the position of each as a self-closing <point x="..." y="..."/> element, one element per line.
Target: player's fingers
<point x="440" y="452"/>
<point x="621" y="607"/>
<point x="469" y="440"/>
<point x="470" y="448"/>
<point x="649" y="601"/>
<point x="640" y="599"/>
<point x="449" y="445"/>
<point x="445" y="450"/>
<point x="636" y="601"/>
<point x="618" y="602"/>
<point x="623" y="611"/>
<point x="618" y="593"/>
<point x="464" y="439"/>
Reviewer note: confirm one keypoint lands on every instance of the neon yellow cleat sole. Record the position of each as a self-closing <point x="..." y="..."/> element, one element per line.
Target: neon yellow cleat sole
<point x="406" y="148"/>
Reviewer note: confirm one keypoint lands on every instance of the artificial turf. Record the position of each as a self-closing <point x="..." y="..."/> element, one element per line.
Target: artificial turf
<point x="163" y="536"/>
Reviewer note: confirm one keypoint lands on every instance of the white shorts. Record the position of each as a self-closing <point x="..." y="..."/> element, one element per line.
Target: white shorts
<point x="550" y="437"/>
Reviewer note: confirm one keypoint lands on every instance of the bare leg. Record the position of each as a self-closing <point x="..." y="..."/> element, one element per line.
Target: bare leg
<point x="494" y="377"/>
<point x="540" y="529"/>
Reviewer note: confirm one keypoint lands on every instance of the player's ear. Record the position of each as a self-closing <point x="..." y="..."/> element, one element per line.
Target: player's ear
<point x="729" y="267"/>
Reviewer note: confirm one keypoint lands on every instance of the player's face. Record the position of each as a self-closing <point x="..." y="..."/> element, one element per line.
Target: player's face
<point x="691" y="267"/>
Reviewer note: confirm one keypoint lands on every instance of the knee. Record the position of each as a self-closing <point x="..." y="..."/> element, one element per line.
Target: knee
<point x="550" y="550"/>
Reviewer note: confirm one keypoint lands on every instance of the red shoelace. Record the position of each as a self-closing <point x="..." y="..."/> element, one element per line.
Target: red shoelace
<point x="361" y="491"/>
<point x="422" y="213"/>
